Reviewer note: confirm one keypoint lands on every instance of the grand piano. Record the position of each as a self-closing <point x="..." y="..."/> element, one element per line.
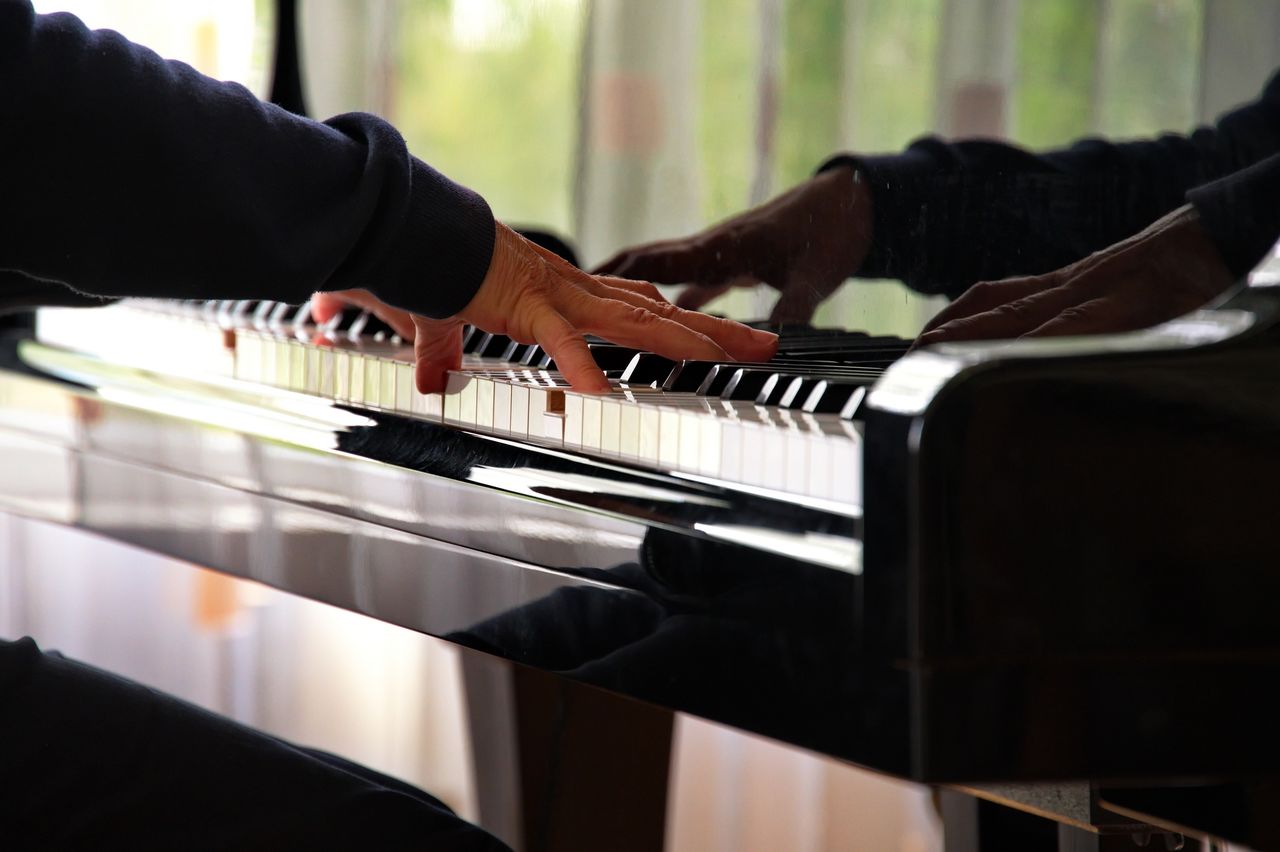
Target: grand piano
<point x="970" y="565"/>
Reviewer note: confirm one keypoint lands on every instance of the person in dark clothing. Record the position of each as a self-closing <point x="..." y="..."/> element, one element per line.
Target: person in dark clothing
<point x="1101" y="235"/>
<point x="122" y="174"/>
<point x="128" y="175"/>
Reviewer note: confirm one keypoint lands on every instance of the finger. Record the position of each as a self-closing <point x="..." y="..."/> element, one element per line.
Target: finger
<point x="1010" y="320"/>
<point x="629" y="325"/>
<point x="326" y="306"/>
<point x="674" y="263"/>
<point x="643" y="288"/>
<point x="401" y="322"/>
<point x="1097" y="316"/>
<point x="737" y="340"/>
<point x="567" y="348"/>
<point x="437" y="349"/>
<point x="694" y="296"/>
<point x="796" y="304"/>
<point x="988" y="295"/>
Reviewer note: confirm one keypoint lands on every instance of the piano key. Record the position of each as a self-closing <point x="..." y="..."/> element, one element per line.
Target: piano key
<point x="610" y="425"/>
<point x="502" y="405"/>
<point x="746" y="383"/>
<point x="646" y="368"/>
<point x="493" y="345"/>
<point x="591" y="421"/>
<point x="573" y="405"/>
<point x="405" y="391"/>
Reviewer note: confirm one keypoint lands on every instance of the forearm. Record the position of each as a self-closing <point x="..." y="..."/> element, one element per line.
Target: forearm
<point x="125" y="174"/>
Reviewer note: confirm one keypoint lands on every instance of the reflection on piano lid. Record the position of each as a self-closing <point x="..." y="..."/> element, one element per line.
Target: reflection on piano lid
<point x="791" y="425"/>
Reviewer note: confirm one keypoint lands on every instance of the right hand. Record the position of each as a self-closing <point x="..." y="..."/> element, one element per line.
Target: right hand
<point x="804" y="243"/>
<point x="534" y="296"/>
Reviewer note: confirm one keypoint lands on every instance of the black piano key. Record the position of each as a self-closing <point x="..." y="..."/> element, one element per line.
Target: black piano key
<point x="853" y="407"/>
<point x="471" y="338"/>
<point x="511" y="353"/>
<point x="832" y="396"/>
<point x="367" y="325"/>
<point x="688" y="376"/>
<point x="346" y="319"/>
<point x="746" y="383"/>
<point x="715" y="379"/>
<point x="609" y="356"/>
<point x="532" y="355"/>
<point x="646" y="368"/>
<point x="797" y="391"/>
<point x="775" y="386"/>
<point x="492" y="345"/>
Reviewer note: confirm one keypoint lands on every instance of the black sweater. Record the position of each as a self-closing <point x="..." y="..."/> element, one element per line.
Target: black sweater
<point x="947" y="215"/>
<point x="122" y="174"/>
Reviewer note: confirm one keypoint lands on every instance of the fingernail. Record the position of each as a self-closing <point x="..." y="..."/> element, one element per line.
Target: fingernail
<point x="761" y="336"/>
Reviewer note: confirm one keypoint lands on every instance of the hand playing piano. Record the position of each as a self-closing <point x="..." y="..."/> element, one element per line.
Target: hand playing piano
<point x="1163" y="272"/>
<point x="533" y="296"/>
<point x="804" y="243"/>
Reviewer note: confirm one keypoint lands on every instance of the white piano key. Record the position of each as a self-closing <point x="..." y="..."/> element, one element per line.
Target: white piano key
<point x="731" y="450"/>
<point x="356" y="385"/>
<point x="342" y="375"/>
<point x="611" y="425"/>
<point x="502" y="405"/>
<point x="311" y="371"/>
<point x="573" y="404"/>
<point x="387" y="383"/>
<point x="266" y="360"/>
<point x="687" y="441"/>
<point x="846" y="472"/>
<point x="819" y="464"/>
<point x="629" y="430"/>
<point x="327" y="382"/>
<point x="455" y="385"/>
<point x="709" y="437"/>
<point x="484" y="402"/>
<point x="753" y="453"/>
<point x="592" y="411"/>
<point x="246" y="357"/>
<point x="297" y="366"/>
<point x="372" y="381"/>
<point x="668" y="436"/>
<point x="282" y="362"/>
<point x="553" y="426"/>
<point x="796" y="469"/>
<point x="519" y="410"/>
<point x="405" y="391"/>
<point x="647" y="434"/>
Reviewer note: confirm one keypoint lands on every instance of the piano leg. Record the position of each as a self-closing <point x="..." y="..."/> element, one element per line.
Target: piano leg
<point x="560" y="765"/>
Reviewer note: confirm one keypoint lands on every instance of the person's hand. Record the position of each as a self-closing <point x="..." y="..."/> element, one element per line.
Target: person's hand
<point x="534" y="296"/>
<point x="804" y="243"/>
<point x="1165" y="271"/>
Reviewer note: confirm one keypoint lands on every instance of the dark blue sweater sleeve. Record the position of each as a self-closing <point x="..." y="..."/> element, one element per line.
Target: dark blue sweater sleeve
<point x="948" y="214"/>
<point x="122" y="174"/>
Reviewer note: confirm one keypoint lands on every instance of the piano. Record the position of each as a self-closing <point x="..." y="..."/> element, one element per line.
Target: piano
<point x="1009" y="561"/>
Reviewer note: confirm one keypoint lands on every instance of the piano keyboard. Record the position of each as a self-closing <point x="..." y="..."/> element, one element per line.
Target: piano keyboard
<point x="791" y="425"/>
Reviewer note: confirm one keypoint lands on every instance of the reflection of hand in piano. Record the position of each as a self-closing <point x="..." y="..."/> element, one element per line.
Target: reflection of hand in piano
<point x="532" y="296"/>
<point x="1165" y="271"/>
<point x="805" y="243"/>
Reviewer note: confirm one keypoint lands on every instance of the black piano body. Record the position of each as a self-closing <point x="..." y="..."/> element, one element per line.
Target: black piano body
<point x="1060" y="568"/>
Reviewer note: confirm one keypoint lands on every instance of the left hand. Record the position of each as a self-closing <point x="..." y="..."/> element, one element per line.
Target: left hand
<point x="1165" y="271"/>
